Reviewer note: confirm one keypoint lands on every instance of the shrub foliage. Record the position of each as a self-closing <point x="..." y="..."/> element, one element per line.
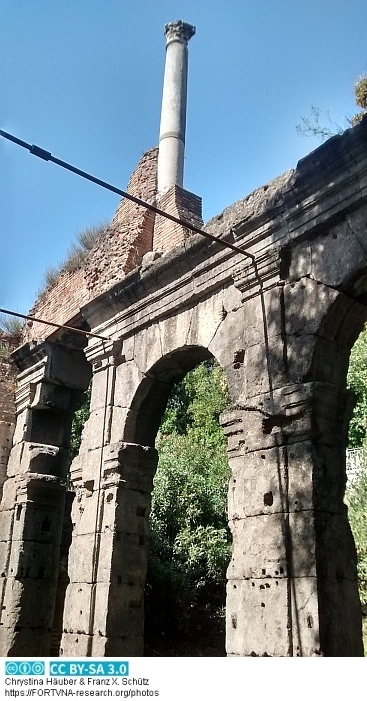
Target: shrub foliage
<point x="356" y="498"/>
<point x="190" y="543"/>
<point x="357" y="381"/>
<point x="356" y="495"/>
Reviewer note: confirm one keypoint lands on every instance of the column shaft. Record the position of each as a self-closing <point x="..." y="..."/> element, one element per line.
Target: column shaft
<point x="173" y="115"/>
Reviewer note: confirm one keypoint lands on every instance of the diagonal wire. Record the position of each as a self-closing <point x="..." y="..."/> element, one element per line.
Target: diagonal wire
<point x="53" y="323"/>
<point x="47" y="156"/>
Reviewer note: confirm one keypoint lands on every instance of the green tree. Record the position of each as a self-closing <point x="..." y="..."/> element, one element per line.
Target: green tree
<point x="190" y="541"/>
<point x="356" y="498"/>
<point x="356" y="493"/>
<point x="357" y="381"/>
<point x="79" y="419"/>
<point x="360" y="91"/>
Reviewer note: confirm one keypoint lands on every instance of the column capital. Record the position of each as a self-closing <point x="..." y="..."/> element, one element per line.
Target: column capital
<point x="179" y="31"/>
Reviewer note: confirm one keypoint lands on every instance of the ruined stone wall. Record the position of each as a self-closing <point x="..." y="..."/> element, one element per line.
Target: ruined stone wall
<point x="281" y="325"/>
<point x="133" y="232"/>
<point x="120" y="248"/>
<point x="282" y="329"/>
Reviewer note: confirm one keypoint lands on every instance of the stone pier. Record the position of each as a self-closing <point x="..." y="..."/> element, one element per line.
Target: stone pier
<point x="51" y="385"/>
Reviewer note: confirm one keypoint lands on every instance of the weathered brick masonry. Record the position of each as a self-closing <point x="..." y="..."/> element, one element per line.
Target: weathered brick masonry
<point x="8" y="343"/>
<point x="118" y="250"/>
<point x="130" y="234"/>
<point x="183" y="205"/>
<point x="133" y="232"/>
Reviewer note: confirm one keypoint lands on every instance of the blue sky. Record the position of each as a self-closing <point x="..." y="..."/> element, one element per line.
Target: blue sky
<point x="83" y="79"/>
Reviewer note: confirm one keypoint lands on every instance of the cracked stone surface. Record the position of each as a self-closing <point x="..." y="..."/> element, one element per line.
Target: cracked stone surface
<point x="282" y="331"/>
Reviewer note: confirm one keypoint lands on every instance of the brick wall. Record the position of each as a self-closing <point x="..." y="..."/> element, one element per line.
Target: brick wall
<point x="7" y="400"/>
<point x="8" y="343"/>
<point x="182" y="204"/>
<point x="132" y="232"/>
<point x="117" y="251"/>
<point x="60" y="304"/>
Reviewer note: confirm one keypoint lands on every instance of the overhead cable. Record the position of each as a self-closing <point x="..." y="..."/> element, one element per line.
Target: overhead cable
<point x="53" y="323"/>
<point x="47" y="156"/>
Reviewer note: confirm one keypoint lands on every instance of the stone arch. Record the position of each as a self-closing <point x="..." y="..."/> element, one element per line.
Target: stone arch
<point x="114" y="471"/>
<point x="274" y="321"/>
<point x="337" y="331"/>
<point x="150" y="399"/>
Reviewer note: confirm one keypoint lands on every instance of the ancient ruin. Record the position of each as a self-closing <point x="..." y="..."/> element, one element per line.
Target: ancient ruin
<point x="73" y="562"/>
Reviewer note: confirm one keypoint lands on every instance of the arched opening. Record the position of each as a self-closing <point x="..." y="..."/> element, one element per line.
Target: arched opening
<point x="356" y="467"/>
<point x="150" y="400"/>
<point x="189" y="536"/>
<point x="339" y="365"/>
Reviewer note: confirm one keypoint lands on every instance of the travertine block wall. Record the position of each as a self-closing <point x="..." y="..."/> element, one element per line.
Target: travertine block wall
<point x="282" y="329"/>
<point x="50" y="387"/>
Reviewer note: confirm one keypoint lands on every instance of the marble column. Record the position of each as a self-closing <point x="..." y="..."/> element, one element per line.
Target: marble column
<point x="173" y="115"/>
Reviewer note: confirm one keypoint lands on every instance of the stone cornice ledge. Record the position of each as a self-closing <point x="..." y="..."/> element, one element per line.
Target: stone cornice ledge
<point x="326" y="183"/>
<point x="184" y="267"/>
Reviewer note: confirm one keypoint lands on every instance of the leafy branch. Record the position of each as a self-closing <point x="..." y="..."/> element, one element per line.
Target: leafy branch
<point x="313" y="126"/>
